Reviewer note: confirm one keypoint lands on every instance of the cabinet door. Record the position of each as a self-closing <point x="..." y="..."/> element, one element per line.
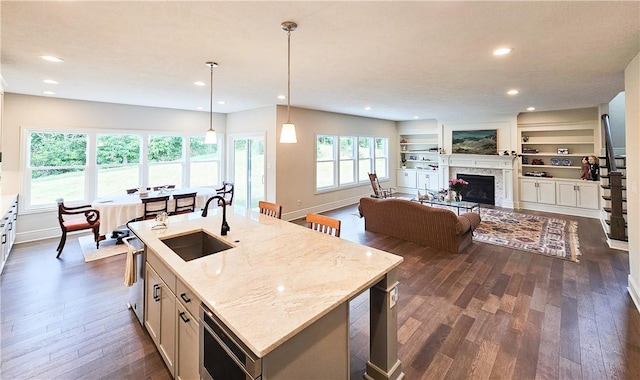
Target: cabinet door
<point x="546" y="192"/>
<point x="406" y="178"/>
<point x="528" y="190"/>
<point x="152" y="304"/>
<point x="566" y="194"/>
<point x="168" y="327"/>
<point x="187" y="358"/>
<point x="427" y="181"/>
<point x="587" y="195"/>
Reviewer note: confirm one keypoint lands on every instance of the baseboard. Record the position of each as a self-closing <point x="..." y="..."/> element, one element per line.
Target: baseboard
<point x="48" y="233"/>
<point x="587" y="213"/>
<point x="301" y="213"/>
<point x="634" y="292"/>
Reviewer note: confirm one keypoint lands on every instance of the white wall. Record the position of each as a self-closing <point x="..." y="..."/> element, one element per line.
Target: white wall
<point x="295" y="177"/>
<point x="617" y="123"/>
<point x="38" y="111"/>
<point x="632" y="116"/>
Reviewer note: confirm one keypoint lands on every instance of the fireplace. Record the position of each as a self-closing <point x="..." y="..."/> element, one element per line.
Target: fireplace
<point x="481" y="188"/>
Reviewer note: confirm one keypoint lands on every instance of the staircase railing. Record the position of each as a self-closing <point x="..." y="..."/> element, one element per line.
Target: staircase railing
<point x="617" y="229"/>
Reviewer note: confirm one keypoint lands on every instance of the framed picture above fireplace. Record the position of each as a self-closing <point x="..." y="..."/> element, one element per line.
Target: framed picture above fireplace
<point x="475" y="142"/>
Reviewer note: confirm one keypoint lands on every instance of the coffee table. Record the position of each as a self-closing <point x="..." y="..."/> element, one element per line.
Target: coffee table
<point x="467" y="206"/>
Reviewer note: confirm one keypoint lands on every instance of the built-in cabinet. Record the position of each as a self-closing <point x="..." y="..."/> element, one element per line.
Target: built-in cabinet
<point x="551" y="148"/>
<point x="172" y="321"/>
<point x="8" y="227"/>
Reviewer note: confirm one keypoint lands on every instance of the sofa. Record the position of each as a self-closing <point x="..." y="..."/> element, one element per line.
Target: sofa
<point x="434" y="227"/>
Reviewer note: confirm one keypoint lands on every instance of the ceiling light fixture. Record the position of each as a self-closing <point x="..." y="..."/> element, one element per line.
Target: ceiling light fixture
<point x="50" y="81"/>
<point x="48" y="92"/>
<point x="502" y="51"/>
<point x="199" y="83"/>
<point x="210" y="137"/>
<point x="288" y="134"/>
<point x="513" y="92"/>
<point x="51" y="58"/>
<point x="531" y="109"/>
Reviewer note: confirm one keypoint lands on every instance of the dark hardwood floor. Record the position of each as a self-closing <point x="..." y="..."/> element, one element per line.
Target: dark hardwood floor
<point x="491" y="312"/>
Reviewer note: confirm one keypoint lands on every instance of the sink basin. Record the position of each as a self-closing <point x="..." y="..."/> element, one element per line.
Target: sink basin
<point x="196" y="245"/>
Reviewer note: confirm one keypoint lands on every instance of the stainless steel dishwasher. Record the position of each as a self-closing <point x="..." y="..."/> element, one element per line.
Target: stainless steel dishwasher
<point x="136" y="291"/>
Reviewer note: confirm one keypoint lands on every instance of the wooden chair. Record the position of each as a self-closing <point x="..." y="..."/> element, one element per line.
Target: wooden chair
<point x="226" y="191"/>
<point x="324" y="224"/>
<point x="379" y="191"/>
<point x="132" y="191"/>
<point x="77" y="218"/>
<point x="154" y="206"/>
<point x="185" y="203"/>
<point x="270" y="209"/>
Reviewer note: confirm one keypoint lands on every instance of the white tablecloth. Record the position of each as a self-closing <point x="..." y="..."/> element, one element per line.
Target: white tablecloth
<point x="116" y="211"/>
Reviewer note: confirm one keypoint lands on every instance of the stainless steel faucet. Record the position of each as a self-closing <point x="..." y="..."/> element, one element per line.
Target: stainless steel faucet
<point x="225" y="226"/>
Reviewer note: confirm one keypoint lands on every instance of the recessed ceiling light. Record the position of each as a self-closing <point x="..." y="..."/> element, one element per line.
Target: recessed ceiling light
<point x="50" y="81"/>
<point x="51" y="58"/>
<point x="198" y="83"/>
<point x="48" y="92"/>
<point x="416" y="117"/>
<point x="502" y="51"/>
<point x="367" y="108"/>
<point x="221" y="102"/>
<point x="282" y="97"/>
<point x="531" y="109"/>
<point x="199" y="108"/>
<point x="513" y="92"/>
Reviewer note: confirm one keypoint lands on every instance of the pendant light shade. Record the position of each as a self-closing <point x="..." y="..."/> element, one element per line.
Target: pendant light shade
<point x="210" y="137"/>
<point x="288" y="133"/>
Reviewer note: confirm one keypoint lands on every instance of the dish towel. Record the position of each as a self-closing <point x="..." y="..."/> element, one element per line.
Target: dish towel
<point x="130" y="266"/>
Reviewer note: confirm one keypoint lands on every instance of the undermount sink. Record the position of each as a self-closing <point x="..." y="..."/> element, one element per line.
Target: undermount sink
<point x="196" y="245"/>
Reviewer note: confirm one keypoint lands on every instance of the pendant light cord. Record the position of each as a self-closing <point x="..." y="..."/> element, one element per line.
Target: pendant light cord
<point x="211" y="101"/>
<point x="289" y="76"/>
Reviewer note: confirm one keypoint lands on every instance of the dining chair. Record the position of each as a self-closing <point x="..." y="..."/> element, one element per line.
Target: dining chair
<point x="270" y="209"/>
<point x="185" y="203"/>
<point x="226" y="191"/>
<point x="77" y="218"/>
<point x="378" y="190"/>
<point x="133" y="191"/>
<point x="154" y="206"/>
<point x="324" y="224"/>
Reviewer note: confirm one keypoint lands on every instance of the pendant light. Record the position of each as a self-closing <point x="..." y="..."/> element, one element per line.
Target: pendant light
<point x="210" y="137"/>
<point x="288" y="134"/>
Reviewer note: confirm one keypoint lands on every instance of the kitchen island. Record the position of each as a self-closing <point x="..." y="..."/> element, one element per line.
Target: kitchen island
<point x="280" y="282"/>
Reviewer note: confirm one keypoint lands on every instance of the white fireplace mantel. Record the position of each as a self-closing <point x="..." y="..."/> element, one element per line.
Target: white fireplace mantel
<point x="501" y="167"/>
<point x="482" y="161"/>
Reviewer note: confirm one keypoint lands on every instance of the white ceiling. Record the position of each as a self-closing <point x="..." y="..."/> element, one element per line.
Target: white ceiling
<point x="402" y="59"/>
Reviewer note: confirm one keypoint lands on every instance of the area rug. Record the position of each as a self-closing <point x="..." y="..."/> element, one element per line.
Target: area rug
<point x="531" y="233"/>
<point x="107" y="248"/>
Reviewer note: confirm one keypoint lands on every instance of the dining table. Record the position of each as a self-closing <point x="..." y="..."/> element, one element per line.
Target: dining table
<point x="119" y="209"/>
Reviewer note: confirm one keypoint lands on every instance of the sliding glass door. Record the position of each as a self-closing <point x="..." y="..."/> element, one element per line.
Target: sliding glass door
<point x="248" y="169"/>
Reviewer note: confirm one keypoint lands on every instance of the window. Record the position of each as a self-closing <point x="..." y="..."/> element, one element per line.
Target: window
<point x="325" y="162"/>
<point x="166" y="163"/>
<point x="205" y="163"/>
<point x="82" y="166"/>
<point x="56" y="167"/>
<point x="118" y="163"/>
<point x="343" y="161"/>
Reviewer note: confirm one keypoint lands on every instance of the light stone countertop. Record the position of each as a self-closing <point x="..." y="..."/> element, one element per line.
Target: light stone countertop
<point x="280" y="277"/>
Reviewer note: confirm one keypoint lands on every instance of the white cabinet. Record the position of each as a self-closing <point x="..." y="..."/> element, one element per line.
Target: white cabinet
<point x="538" y="191"/>
<point x="172" y="321"/>
<point x="406" y="178"/>
<point x="160" y="315"/>
<point x="581" y="194"/>
<point x="8" y="227"/>
<point x="187" y="360"/>
<point x="428" y="180"/>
